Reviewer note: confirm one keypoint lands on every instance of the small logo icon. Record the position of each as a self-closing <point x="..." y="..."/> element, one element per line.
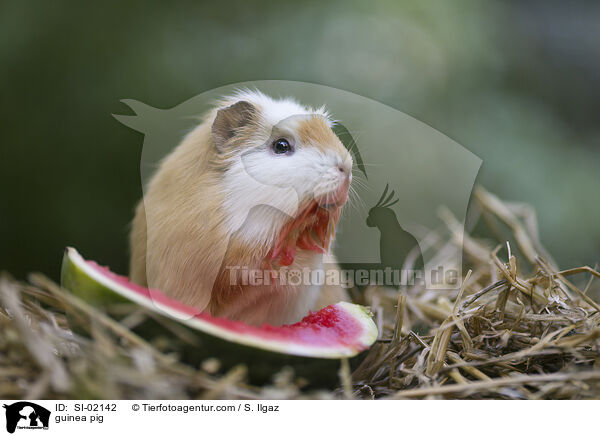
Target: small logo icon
<point x="26" y="415"/>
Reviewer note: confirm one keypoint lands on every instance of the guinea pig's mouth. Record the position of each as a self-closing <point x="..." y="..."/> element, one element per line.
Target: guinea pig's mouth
<point x="312" y="229"/>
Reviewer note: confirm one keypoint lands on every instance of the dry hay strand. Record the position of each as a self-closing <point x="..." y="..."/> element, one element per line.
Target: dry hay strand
<point x="517" y="328"/>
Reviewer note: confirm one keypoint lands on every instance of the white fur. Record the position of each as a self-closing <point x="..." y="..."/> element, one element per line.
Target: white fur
<point x="276" y="110"/>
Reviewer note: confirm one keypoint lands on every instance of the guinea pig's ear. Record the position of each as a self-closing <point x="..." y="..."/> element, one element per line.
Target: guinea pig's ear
<point x="229" y="120"/>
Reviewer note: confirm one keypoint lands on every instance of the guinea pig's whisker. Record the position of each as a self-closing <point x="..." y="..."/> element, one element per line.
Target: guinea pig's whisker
<point x="371" y="164"/>
<point x="359" y="181"/>
<point x="356" y="201"/>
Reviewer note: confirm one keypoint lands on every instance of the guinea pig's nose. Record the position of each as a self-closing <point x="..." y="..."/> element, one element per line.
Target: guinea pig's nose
<point x="345" y="170"/>
<point x="344" y="166"/>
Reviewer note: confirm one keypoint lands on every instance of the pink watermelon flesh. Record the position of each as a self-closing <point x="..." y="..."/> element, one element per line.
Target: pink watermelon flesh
<point x="331" y="326"/>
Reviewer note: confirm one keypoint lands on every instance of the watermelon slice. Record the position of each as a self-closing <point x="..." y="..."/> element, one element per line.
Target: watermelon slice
<point x="309" y="346"/>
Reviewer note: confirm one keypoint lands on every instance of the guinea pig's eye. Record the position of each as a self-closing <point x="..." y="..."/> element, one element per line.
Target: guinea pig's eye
<point x="281" y="146"/>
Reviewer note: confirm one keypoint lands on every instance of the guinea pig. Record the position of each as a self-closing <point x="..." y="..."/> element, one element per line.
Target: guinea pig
<point x="257" y="186"/>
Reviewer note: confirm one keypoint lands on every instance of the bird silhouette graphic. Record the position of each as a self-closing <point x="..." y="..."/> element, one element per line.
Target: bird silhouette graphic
<point x="395" y="243"/>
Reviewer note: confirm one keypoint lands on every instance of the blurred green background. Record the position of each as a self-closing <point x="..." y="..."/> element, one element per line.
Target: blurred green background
<point x="517" y="83"/>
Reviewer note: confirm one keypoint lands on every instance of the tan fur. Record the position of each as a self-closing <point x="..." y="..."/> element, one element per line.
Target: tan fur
<point x="316" y="132"/>
<point x="179" y="243"/>
<point x="183" y="219"/>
